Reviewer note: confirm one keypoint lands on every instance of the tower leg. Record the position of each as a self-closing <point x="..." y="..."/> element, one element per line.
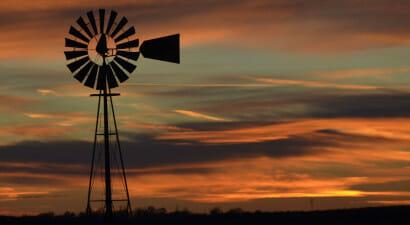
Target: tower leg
<point x="129" y="209"/>
<point x="88" y="210"/>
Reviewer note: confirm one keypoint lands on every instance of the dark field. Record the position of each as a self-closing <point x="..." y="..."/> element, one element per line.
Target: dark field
<point x="377" y="215"/>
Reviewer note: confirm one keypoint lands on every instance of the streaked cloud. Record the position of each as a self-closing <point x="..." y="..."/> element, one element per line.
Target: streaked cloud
<point x="46" y="92"/>
<point x="367" y="72"/>
<point x="316" y="84"/>
<point x="394" y="202"/>
<point x="200" y="85"/>
<point x="8" y="193"/>
<point x="198" y="115"/>
<point x="366" y="127"/>
<point x="64" y="119"/>
<point x="154" y="127"/>
<point x="34" y="130"/>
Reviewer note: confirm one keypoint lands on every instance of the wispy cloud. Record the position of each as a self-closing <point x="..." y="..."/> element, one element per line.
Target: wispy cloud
<point x="361" y="72"/>
<point x="201" y="85"/>
<point x="391" y="128"/>
<point x="8" y="193"/>
<point x="392" y="202"/>
<point x="46" y="92"/>
<point x="34" y="130"/>
<point x="65" y="119"/>
<point x="154" y="127"/>
<point x="316" y="84"/>
<point x="72" y="89"/>
<point x="198" y="115"/>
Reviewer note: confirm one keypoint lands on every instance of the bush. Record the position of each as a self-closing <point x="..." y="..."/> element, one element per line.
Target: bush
<point x="235" y="211"/>
<point x="216" y="211"/>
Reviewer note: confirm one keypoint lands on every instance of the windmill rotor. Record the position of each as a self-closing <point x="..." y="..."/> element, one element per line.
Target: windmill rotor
<point x="94" y="42"/>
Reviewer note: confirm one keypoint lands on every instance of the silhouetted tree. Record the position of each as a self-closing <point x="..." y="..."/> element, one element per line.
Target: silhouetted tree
<point x="235" y="211"/>
<point x="216" y="211"/>
<point x="69" y="214"/>
<point x="46" y="214"/>
<point x="161" y="211"/>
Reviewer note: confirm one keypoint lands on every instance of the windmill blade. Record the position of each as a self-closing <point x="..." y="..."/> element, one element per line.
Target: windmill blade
<point x="119" y="72"/>
<point x="130" y="44"/>
<point x="74" y="54"/>
<point x="77" y="64"/>
<point x="77" y="34"/>
<point x="113" y="15"/>
<point x="129" y="55"/>
<point x="126" y="65"/>
<point x="120" y="25"/>
<point x="102" y="78"/>
<point x="74" y="44"/>
<point x="91" y="18"/>
<point x="91" y="78"/>
<point x="164" y="48"/>
<point x="84" y="26"/>
<point x="84" y="71"/>
<point x="102" y="15"/>
<point x="112" y="82"/>
<point x="126" y="34"/>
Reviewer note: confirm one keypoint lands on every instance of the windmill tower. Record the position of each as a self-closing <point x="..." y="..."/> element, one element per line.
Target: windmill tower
<point x="101" y="57"/>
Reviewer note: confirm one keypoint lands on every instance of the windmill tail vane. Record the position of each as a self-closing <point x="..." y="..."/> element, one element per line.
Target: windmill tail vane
<point x="101" y="55"/>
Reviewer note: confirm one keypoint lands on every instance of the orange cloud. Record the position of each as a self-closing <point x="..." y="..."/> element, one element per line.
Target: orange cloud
<point x="72" y="89"/>
<point x="59" y="182"/>
<point x="8" y="193"/>
<point x="68" y="119"/>
<point x="371" y="72"/>
<point x="36" y="130"/>
<point x="394" y="202"/>
<point x="154" y="127"/>
<point x="244" y="181"/>
<point x="200" y="85"/>
<point x="46" y="92"/>
<point x="21" y="5"/>
<point x="384" y="128"/>
<point x="316" y="84"/>
<point x="198" y="115"/>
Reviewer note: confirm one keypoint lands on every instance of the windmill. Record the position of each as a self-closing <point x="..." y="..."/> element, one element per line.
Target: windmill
<point x="101" y="57"/>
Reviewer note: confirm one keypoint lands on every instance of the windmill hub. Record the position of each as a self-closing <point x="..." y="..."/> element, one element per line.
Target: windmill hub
<point x="102" y="48"/>
<point x="96" y="51"/>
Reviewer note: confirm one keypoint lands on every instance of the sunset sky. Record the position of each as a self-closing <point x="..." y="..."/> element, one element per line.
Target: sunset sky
<point x="276" y="104"/>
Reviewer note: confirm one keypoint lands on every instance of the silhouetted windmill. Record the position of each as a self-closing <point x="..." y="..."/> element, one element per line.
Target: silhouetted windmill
<point x="100" y="58"/>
